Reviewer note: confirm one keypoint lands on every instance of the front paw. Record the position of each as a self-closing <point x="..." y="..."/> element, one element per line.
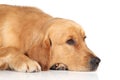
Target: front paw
<point x="59" y="66"/>
<point x="24" y="64"/>
<point x="3" y="65"/>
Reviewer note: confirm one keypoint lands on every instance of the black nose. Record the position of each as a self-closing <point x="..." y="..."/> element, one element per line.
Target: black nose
<point x="94" y="62"/>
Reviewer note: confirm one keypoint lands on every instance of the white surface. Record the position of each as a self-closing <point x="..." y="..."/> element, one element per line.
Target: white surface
<point x="101" y="22"/>
<point x="48" y="75"/>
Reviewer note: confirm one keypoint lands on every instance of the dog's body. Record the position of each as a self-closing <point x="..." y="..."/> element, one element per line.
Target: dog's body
<point x="30" y="40"/>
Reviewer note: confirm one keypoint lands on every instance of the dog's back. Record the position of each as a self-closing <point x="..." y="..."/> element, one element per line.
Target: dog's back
<point x="16" y="19"/>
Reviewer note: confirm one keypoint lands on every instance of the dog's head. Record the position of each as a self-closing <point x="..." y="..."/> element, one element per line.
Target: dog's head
<point x="65" y="43"/>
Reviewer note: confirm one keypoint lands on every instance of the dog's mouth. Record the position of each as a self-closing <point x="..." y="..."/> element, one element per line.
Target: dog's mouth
<point x="59" y="66"/>
<point x="94" y="63"/>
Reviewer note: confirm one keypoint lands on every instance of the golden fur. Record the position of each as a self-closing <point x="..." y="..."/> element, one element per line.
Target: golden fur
<point x="31" y="40"/>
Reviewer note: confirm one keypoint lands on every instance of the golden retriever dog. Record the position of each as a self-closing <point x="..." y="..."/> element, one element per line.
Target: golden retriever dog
<point x="31" y="40"/>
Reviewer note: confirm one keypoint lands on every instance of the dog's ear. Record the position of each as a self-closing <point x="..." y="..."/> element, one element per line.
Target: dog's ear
<point x="41" y="53"/>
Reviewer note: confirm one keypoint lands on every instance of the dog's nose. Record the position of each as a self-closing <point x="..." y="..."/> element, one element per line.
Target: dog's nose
<point x="94" y="62"/>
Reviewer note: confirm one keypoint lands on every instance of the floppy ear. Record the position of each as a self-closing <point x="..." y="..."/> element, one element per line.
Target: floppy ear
<point x="41" y="54"/>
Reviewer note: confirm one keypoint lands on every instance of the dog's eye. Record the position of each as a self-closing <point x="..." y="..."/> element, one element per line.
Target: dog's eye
<point x="84" y="37"/>
<point x="70" y="42"/>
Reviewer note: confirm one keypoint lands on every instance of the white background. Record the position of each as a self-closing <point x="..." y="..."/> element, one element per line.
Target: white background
<point x="101" y="22"/>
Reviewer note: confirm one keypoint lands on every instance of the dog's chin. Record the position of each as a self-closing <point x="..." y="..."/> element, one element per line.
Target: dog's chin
<point x="93" y="69"/>
<point x="85" y="69"/>
<point x="61" y="66"/>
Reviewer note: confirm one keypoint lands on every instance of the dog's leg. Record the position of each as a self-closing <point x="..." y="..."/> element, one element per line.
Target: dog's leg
<point x="14" y="59"/>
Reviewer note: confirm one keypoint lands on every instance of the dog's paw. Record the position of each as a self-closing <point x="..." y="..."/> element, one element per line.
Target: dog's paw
<point x="24" y="64"/>
<point x="59" y="66"/>
<point x="3" y="65"/>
